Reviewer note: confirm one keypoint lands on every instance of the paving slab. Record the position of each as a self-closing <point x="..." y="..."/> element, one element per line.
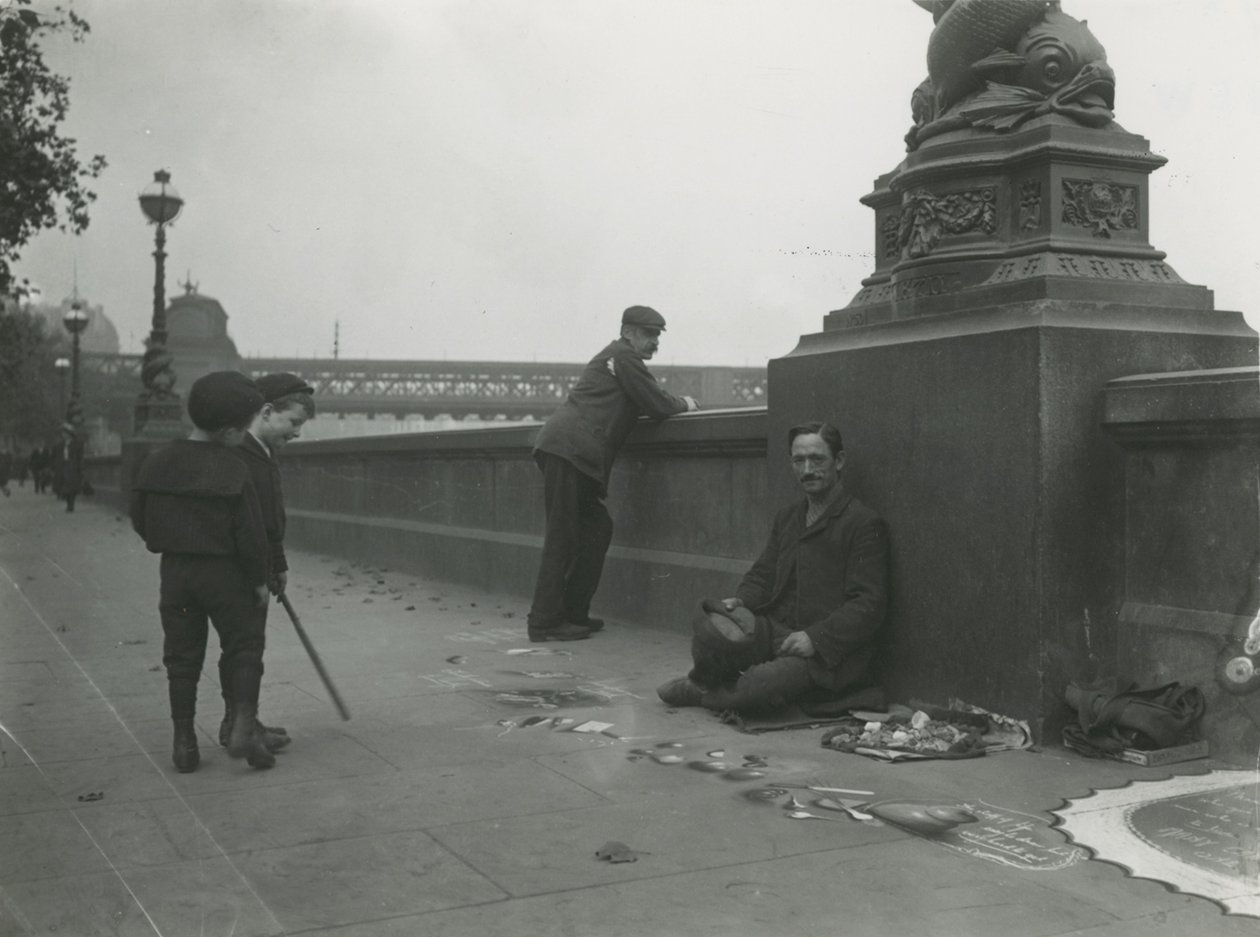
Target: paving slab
<point x="459" y="799"/>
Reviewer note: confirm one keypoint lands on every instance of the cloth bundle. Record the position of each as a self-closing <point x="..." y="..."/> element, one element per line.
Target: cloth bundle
<point x="1114" y="715"/>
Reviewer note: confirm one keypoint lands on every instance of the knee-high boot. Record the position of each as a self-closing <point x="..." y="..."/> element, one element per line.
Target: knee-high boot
<point x="244" y="739"/>
<point x="183" y="697"/>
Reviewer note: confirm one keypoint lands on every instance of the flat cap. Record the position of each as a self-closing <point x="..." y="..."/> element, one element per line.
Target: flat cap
<point x="643" y="316"/>
<point x="222" y="399"/>
<point x="275" y="386"/>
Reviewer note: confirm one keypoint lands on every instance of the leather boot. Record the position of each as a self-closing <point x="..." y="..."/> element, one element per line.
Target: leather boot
<point x="244" y="738"/>
<point x="275" y="738"/>
<point x="184" y="753"/>
<point x="278" y="735"/>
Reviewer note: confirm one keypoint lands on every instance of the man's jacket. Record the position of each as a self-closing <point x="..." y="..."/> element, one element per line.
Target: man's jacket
<point x="829" y="580"/>
<point x="615" y="389"/>
<point x="265" y="474"/>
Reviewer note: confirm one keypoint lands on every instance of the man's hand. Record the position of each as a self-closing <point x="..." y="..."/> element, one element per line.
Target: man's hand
<point x="691" y="403"/>
<point x="278" y="582"/>
<point x="260" y="596"/>
<point x="797" y="644"/>
<point x="731" y="604"/>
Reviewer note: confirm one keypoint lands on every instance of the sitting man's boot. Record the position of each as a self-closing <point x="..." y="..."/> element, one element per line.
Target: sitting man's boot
<point x="244" y="738"/>
<point x="184" y="752"/>
<point x="682" y="691"/>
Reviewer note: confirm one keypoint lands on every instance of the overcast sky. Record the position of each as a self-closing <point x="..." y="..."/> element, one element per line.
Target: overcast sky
<point x="497" y="180"/>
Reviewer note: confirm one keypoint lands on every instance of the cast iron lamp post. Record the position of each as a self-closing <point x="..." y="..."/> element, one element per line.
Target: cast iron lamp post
<point x="75" y="320"/>
<point x="158" y="408"/>
<point x="62" y="365"/>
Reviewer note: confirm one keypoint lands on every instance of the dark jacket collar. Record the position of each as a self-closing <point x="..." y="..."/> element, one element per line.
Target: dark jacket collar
<point x="840" y="500"/>
<point x="254" y="448"/>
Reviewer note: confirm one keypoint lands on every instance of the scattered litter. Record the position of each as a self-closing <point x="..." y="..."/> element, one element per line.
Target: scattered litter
<point x="155" y="668"/>
<point x="368" y="600"/>
<point x="509" y="614"/>
<point x="94" y="795"/>
<point x="541" y="651"/>
<point x="435" y="598"/>
<point x="592" y="726"/>
<point x="457" y="659"/>
<point x="410" y="608"/>
<point x="132" y="641"/>
<point x="615" y="851"/>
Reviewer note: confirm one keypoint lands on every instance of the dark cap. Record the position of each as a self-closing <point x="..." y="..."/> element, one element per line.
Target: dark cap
<point x="643" y="316"/>
<point x="275" y="386"/>
<point x="222" y="399"/>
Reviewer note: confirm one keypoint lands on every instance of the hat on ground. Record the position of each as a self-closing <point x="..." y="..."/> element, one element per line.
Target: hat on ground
<point x="643" y="316"/>
<point x="222" y="399"/>
<point x="275" y="386"/>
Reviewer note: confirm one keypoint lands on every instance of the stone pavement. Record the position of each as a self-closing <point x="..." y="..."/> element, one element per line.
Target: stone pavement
<point x="452" y="803"/>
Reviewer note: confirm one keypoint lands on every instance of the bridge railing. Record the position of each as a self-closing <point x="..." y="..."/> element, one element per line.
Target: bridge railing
<point x="460" y="388"/>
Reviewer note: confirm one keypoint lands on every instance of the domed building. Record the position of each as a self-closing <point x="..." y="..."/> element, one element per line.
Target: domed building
<point x="100" y="336"/>
<point x="197" y="337"/>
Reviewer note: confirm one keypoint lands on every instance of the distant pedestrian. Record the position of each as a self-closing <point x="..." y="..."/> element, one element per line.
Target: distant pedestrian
<point x="6" y="468"/>
<point x="575" y="451"/>
<point x="38" y="463"/>
<point x="194" y="503"/>
<point x="20" y="468"/>
<point x="288" y="403"/>
<point x="67" y="466"/>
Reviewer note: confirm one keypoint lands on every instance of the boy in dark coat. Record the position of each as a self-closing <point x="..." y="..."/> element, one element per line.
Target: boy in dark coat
<point x="194" y="503"/>
<point x="287" y="404"/>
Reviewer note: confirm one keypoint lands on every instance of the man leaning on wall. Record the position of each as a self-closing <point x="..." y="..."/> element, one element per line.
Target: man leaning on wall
<point x="575" y="451"/>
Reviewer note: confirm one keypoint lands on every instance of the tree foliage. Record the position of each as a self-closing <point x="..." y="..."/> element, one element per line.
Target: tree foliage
<point x="29" y="384"/>
<point x="42" y="180"/>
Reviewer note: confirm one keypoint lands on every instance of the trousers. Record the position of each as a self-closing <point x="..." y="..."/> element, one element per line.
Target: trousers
<point x="746" y="676"/>
<point x="199" y="590"/>
<point x="575" y="541"/>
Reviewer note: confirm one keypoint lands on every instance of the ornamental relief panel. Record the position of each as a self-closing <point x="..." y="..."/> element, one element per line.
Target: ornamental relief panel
<point x="926" y="218"/>
<point x="1102" y="207"/>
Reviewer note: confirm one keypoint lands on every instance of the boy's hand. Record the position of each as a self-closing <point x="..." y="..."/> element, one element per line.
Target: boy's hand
<point x="278" y="582"/>
<point x="260" y="596"/>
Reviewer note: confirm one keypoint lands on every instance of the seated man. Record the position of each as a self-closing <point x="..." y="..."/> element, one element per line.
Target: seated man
<point x="803" y="622"/>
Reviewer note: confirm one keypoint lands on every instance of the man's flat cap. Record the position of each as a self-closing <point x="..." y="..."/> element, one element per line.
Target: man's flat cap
<point x="643" y="316"/>
<point x="275" y="386"/>
<point x="222" y="399"/>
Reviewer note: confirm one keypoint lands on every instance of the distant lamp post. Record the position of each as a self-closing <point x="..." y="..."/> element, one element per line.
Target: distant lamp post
<point x="75" y="320"/>
<point x="63" y="366"/>
<point x="158" y="410"/>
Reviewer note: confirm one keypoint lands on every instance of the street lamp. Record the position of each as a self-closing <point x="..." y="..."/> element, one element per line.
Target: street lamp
<point x="75" y="320"/>
<point x="158" y="407"/>
<point x="62" y="365"/>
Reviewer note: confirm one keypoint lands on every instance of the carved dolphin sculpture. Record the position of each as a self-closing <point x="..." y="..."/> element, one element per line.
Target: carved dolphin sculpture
<point x="967" y="31"/>
<point x="997" y="63"/>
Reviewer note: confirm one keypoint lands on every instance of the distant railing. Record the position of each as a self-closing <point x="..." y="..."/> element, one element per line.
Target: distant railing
<point x="459" y="388"/>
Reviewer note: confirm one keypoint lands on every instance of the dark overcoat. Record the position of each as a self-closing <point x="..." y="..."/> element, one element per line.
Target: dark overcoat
<point x="265" y="474"/>
<point x="67" y="466"/>
<point x="615" y="389"/>
<point x="829" y="580"/>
